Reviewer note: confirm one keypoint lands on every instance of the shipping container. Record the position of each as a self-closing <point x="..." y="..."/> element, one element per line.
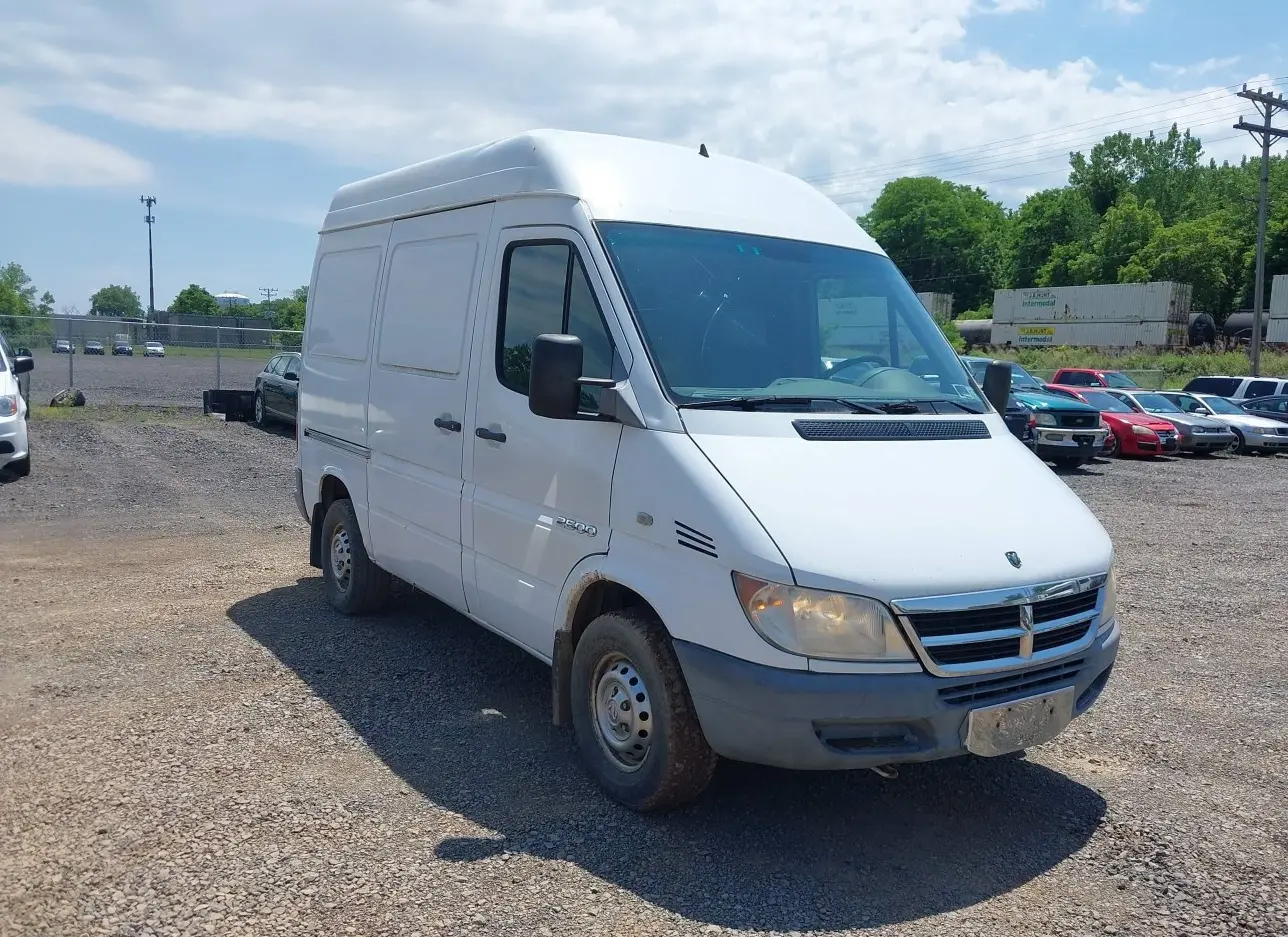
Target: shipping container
<point x="939" y="305"/>
<point x="1277" y="330"/>
<point x="1113" y="316"/>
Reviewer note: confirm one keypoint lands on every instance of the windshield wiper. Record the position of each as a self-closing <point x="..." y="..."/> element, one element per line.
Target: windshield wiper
<point x="913" y="404"/>
<point x="758" y="403"/>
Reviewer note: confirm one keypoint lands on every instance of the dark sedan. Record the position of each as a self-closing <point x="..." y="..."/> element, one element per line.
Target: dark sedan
<point x="1274" y="408"/>
<point x="94" y="348"/>
<point x="277" y="390"/>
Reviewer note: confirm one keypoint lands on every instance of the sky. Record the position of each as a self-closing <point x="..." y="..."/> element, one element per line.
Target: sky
<point x="242" y="117"/>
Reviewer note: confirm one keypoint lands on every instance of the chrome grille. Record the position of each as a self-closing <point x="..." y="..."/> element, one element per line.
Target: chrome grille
<point x="1007" y="629"/>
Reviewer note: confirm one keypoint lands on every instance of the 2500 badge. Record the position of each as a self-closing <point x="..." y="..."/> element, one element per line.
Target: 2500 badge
<point x="589" y="530"/>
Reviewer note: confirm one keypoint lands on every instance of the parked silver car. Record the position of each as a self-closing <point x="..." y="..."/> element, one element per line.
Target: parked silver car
<point x="1255" y="433"/>
<point x="1197" y="433"/>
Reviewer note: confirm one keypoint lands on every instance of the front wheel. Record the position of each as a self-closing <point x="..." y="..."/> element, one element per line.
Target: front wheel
<point x="1239" y="446"/>
<point x="1069" y="463"/>
<point x="354" y="584"/>
<point x="1112" y="447"/>
<point x="633" y="717"/>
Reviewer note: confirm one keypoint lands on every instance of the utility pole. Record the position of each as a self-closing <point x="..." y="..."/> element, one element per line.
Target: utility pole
<point x="149" y="201"/>
<point x="268" y="292"/>
<point x="1267" y="105"/>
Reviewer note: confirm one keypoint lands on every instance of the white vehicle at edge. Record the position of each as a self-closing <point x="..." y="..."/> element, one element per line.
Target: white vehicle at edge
<point x="15" y="455"/>
<point x="153" y="350"/>
<point x="574" y="387"/>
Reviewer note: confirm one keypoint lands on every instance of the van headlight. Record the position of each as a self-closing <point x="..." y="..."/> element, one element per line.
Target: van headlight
<point x="8" y="405"/>
<point x="1110" y="608"/>
<point x="821" y="624"/>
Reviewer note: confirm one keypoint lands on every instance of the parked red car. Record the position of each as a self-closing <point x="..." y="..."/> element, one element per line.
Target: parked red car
<point x="1092" y="377"/>
<point x="1130" y="433"/>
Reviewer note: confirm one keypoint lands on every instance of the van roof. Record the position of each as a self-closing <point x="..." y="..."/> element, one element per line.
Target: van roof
<point x="617" y="178"/>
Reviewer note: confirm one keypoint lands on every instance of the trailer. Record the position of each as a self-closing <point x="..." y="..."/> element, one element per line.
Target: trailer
<point x="1277" y="327"/>
<point x="1120" y="315"/>
<point x="939" y="305"/>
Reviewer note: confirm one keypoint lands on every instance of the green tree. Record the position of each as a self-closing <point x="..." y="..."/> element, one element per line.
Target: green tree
<point x="289" y="312"/>
<point x="1126" y="228"/>
<point x="943" y="236"/>
<point x="194" y="300"/>
<point x="18" y="305"/>
<point x="1046" y="220"/>
<point x="1163" y="170"/>
<point x="1202" y="252"/>
<point x="117" y="302"/>
<point x="46" y="305"/>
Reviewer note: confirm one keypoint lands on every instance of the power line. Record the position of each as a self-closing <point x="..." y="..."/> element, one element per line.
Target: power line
<point x="1267" y="105"/>
<point x="1056" y="141"/>
<point x="268" y="292"/>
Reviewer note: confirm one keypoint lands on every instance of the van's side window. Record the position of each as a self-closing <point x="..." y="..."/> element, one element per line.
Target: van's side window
<point x="545" y="290"/>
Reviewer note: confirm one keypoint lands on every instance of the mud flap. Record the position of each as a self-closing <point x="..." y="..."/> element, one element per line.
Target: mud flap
<point x="561" y="678"/>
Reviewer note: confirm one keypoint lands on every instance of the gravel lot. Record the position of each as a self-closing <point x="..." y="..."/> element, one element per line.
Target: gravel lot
<point x="173" y="381"/>
<point x="194" y="744"/>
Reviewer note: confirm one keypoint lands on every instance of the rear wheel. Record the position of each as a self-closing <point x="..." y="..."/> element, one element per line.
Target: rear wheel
<point x="633" y="717"/>
<point x="1069" y="463"/>
<point x="261" y="418"/>
<point x="354" y="584"/>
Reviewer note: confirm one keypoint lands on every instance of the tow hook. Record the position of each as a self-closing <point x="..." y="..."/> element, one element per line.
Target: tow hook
<point x="889" y="772"/>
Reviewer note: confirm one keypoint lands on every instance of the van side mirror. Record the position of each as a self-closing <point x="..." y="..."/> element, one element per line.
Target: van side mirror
<point x="997" y="384"/>
<point x="554" y="384"/>
<point x="23" y="363"/>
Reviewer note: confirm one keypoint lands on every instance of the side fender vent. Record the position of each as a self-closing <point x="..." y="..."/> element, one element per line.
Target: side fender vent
<point x="695" y="540"/>
<point x="890" y="430"/>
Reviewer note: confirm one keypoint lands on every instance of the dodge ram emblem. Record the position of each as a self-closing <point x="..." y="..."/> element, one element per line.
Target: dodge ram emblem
<point x="1013" y="558"/>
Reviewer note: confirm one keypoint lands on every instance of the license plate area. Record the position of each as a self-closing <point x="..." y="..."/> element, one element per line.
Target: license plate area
<point x="1010" y="727"/>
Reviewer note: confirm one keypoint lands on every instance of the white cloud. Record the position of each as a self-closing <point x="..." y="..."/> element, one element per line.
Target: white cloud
<point x="1198" y="69"/>
<point x="1010" y="6"/>
<point x="33" y="152"/>
<point x="1125" y="7"/>
<point x="818" y="89"/>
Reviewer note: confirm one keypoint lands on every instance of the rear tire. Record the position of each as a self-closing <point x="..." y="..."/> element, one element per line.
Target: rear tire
<point x="632" y="715"/>
<point x="261" y="417"/>
<point x="354" y="584"/>
<point x="1069" y="463"/>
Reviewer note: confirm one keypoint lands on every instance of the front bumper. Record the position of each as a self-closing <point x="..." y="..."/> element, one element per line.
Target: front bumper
<point x="1267" y="441"/>
<point x="826" y="721"/>
<point x="1059" y="443"/>
<point x="13" y="439"/>
<point x="1206" y="442"/>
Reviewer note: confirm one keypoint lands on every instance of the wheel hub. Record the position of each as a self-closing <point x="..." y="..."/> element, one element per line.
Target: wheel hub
<point x="341" y="558"/>
<point x="623" y="713"/>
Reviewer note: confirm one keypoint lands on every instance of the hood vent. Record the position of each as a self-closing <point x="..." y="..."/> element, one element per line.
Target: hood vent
<point x="695" y="540"/>
<point x="888" y="429"/>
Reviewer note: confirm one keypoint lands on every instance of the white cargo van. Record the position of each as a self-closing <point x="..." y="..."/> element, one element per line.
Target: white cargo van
<point x="675" y="425"/>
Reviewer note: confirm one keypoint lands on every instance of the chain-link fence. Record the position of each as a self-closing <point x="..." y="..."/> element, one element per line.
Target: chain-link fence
<point x="134" y="363"/>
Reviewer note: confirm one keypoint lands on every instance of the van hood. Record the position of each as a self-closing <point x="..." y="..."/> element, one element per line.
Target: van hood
<point x="907" y="518"/>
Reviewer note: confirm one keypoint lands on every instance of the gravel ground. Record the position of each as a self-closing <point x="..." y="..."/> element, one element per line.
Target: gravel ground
<point x="194" y="744"/>
<point x="173" y="381"/>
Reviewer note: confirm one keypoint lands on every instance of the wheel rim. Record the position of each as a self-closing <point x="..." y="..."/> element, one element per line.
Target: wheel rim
<point x="623" y="712"/>
<point x="1113" y="446"/>
<point x="341" y="559"/>
<point x="259" y="408"/>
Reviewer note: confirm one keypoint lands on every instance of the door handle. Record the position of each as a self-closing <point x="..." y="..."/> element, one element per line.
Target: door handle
<point x="450" y="425"/>
<point x="484" y="433"/>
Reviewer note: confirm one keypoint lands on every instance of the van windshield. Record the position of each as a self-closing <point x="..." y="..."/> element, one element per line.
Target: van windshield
<point x="728" y="315"/>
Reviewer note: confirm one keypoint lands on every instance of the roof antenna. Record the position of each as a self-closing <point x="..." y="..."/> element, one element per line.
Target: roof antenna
<point x="702" y="151"/>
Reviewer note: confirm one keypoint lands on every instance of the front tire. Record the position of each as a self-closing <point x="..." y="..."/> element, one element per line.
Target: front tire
<point x="354" y="584"/>
<point x="1239" y="446"/>
<point x="1069" y="463"/>
<point x="1114" y="449"/>
<point x="633" y="717"/>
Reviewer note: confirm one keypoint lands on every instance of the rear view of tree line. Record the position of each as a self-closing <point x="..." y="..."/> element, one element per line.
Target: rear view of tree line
<point x="1136" y="209"/>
